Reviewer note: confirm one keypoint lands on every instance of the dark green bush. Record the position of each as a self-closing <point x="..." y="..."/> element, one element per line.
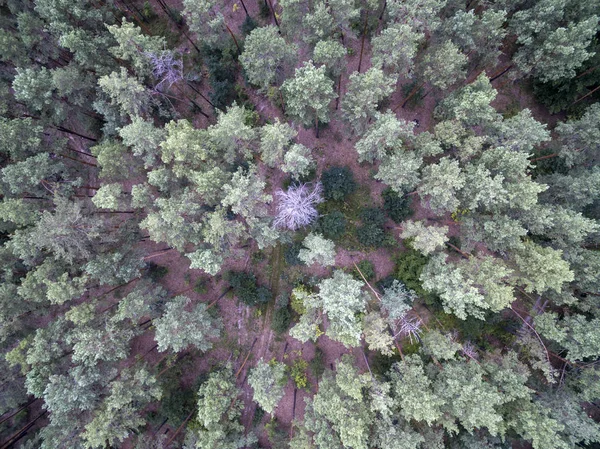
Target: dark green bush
<point x="176" y="403"/>
<point x="222" y="69"/>
<point x="409" y="266"/>
<point x="332" y="225"/>
<point x="367" y="269"/>
<point x="291" y="254"/>
<point x="246" y="289"/>
<point x="282" y="319"/>
<point x="156" y="272"/>
<point x="317" y="363"/>
<point x="562" y="95"/>
<point x="549" y="165"/>
<point x="338" y="182"/>
<point x="259" y="413"/>
<point x="381" y="364"/>
<point x="248" y="25"/>
<point x="371" y="233"/>
<point x="200" y="286"/>
<point x="397" y="207"/>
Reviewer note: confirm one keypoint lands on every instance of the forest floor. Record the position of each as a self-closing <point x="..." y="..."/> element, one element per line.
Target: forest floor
<point x="247" y="335"/>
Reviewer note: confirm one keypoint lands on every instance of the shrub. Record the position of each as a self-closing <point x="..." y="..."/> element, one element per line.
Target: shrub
<point x="222" y="69"/>
<point x="409" y="266"/>
<point x="317" y="364"/>
<point x="177" y="402"/>
<point x="338" y="182"/>
<point x="371" y="233"/>
<point x="246" y="289"/>
<point x="297" y="299"/>
<point x="332" y="225"/>
<point x="367" y="269"/>
<point x="156" y="272"/>
<point x="248" y="25"/>
<point x="397" y="207"/>
<point x="282" y="319"/>
<point x="291" y="254"/>
<point x="298" y="373"/>
<point x="200" y="286"/>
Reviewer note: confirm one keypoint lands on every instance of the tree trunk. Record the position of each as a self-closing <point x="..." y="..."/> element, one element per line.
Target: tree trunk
<point x="383" y="10"/>
<point x="270" y="5"/>
<point x="535" y="159"/>
<point x="494" y="77"/>
<point x="77" y="160"/>
<point x="234" y="39"/>
<point x="68" y="131"/>
<point x="410" y="95"/>
<point x="339" y="89"/>
<point x="85" y="154"/>
<point x="21" y="432"/>
<point x="6" y="418"/>
<point x="362" y="44"/>
<point x="201" y="95"/>
<point x="585" y="96"/>
<point x="244" y="6"/>
<point x="180" y="427"/>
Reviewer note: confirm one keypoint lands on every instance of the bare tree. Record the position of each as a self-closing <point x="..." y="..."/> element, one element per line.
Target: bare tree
<point x="296" y="207"/>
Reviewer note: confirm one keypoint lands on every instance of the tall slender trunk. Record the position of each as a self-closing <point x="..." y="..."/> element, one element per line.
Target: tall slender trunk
<point x="585" y="96"/>
<point x="497" y="75"/>
<point x="69" y="131"/>
<point x="6" y="418"/>
<point x="535" y="159"/>
<point x="201" y="95"/>
<point x="383" y="10"/>
<point x="234" y="39"/>
<point x="21" y="432"/>
<point x="270" y="5"/>
<point x="244" y="6"/>
<point x="77" y="160"/>
<point x="410" y="95"/>
<point x="339" y="90"/>
<point x="180" y="427"/>
<point x="81" y="152"/>
<point x="362" y="44"/>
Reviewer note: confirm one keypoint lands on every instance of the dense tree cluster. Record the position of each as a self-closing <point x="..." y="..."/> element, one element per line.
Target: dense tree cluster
<point x="361" y="175"/>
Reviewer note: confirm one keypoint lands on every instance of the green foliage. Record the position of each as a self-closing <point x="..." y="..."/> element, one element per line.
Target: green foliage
<point x="317" y="249"/>
<point x="282" y="318"/>
<point x="367" y="269"/>
<point x="397" y="207"/>
<point x="365" y="92"/>
<point x="308" y="94"/>
<point x="332" y="225"/>
<point x="156" y="272"/>
<point x="245" y="288"/>
<point x="341" y="299"/>
<point x="265" y="55"/>
<point x="338" y="183"/>
<point x="267" y="380"/>
<point x="426" y="239"/>
<point x="409" y="266"/>
<point x="298" y="372"/>
<point x="178" y="328"/>
<point x="371" y="232"/>
<point x="219" y="412"/>
<point x="290" y="254"/>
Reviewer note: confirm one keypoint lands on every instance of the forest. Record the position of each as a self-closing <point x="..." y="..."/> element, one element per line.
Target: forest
<point x="299" y="224"/>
